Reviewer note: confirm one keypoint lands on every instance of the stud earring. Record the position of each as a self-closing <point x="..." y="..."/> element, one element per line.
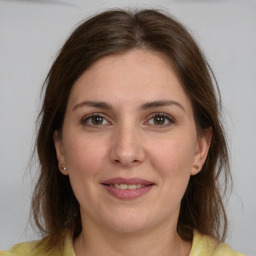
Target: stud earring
<point x="196" y="166"/>
<point x="63" y="168"/>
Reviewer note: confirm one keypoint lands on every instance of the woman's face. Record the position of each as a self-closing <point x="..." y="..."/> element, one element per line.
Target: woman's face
<point x="129" y="142"/>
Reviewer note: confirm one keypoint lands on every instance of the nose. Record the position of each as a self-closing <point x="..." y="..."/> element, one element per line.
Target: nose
<point x="127" y="147"/>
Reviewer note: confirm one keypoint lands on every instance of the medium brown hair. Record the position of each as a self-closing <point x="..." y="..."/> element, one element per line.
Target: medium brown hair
<point x="55" y="208"/>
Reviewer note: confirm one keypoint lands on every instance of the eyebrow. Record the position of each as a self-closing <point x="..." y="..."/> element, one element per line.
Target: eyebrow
<point x="145" y="106"/>
<point x="95" y="104"/>
<point x="161" y="103"/>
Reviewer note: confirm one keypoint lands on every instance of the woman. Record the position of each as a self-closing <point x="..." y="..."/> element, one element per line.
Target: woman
<point x="130" y="144"/>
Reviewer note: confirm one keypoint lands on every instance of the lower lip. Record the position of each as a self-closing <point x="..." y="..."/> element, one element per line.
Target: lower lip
<point x="128" y="194"/>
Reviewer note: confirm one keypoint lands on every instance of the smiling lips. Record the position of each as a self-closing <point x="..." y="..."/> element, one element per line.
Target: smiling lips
<point x="127" y="188"/>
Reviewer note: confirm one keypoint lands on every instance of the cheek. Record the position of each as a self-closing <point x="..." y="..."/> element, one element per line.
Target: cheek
<point x="174" y="156"/>
<point x="83" y="154"/>
<point x="172" y="160"/>
<point x="85" y="161"/>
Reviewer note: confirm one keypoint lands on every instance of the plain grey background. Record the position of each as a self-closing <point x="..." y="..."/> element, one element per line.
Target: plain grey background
<point x="31" y="33"/>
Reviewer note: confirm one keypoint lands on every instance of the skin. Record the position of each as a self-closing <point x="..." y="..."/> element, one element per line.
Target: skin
<point x="127" y="140"/>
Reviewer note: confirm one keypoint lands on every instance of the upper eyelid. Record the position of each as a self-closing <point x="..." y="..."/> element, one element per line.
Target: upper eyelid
<point x="161" y="114"/>
<point x="86" y="117"/>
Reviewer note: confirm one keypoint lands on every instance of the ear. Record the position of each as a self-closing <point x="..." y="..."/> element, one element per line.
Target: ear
<point x="202" y="148"/>
<point x="60" y="152"/>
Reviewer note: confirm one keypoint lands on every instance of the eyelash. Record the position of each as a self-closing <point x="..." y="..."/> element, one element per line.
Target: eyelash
<point x="162" y="115"/>
<point x="85" y="120"/>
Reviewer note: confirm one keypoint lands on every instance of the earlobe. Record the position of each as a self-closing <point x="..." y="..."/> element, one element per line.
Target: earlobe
<point x="60" y="152"/>
<point x="202" y="148"/>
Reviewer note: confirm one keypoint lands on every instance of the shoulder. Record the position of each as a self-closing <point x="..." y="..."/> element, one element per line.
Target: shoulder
<point x="22" y="249"/>
<point x="206" y="245"/>
<point x="38" y="248"/>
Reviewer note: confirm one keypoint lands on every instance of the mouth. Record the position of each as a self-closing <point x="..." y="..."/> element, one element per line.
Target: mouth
<point x="125" y="189"/>
<point x="126" y="186"/>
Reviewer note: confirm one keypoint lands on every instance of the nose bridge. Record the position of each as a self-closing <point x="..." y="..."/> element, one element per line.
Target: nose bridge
<point x="127" y="147"/>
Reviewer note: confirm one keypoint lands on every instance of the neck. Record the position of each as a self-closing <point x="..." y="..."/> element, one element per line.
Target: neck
<point x="154" y="242"/>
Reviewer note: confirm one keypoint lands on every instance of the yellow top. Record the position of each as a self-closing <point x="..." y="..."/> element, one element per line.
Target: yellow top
<point x="202" y="246"/>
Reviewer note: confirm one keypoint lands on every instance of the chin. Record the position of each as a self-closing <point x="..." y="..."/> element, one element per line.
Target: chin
<point x="129" y="222"/>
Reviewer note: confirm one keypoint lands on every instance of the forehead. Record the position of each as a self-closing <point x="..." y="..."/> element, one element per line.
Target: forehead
<point x="130" y="77"/>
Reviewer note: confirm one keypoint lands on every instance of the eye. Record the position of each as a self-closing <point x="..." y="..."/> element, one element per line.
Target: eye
<point x="160" y="120"/>
<point x="95" y="120"/>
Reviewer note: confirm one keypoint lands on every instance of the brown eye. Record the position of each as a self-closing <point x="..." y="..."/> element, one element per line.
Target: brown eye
<point x="95" y="120"/>
<point x="161" y="120"/>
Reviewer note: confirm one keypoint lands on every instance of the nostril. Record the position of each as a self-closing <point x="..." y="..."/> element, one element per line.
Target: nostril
<point x="126" y="162"/>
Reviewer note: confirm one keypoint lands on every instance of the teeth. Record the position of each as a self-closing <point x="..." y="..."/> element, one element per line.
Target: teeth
<point x="132" y="186"/>
<point x="126" y="186"/>
<point x="123" y="186"/>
